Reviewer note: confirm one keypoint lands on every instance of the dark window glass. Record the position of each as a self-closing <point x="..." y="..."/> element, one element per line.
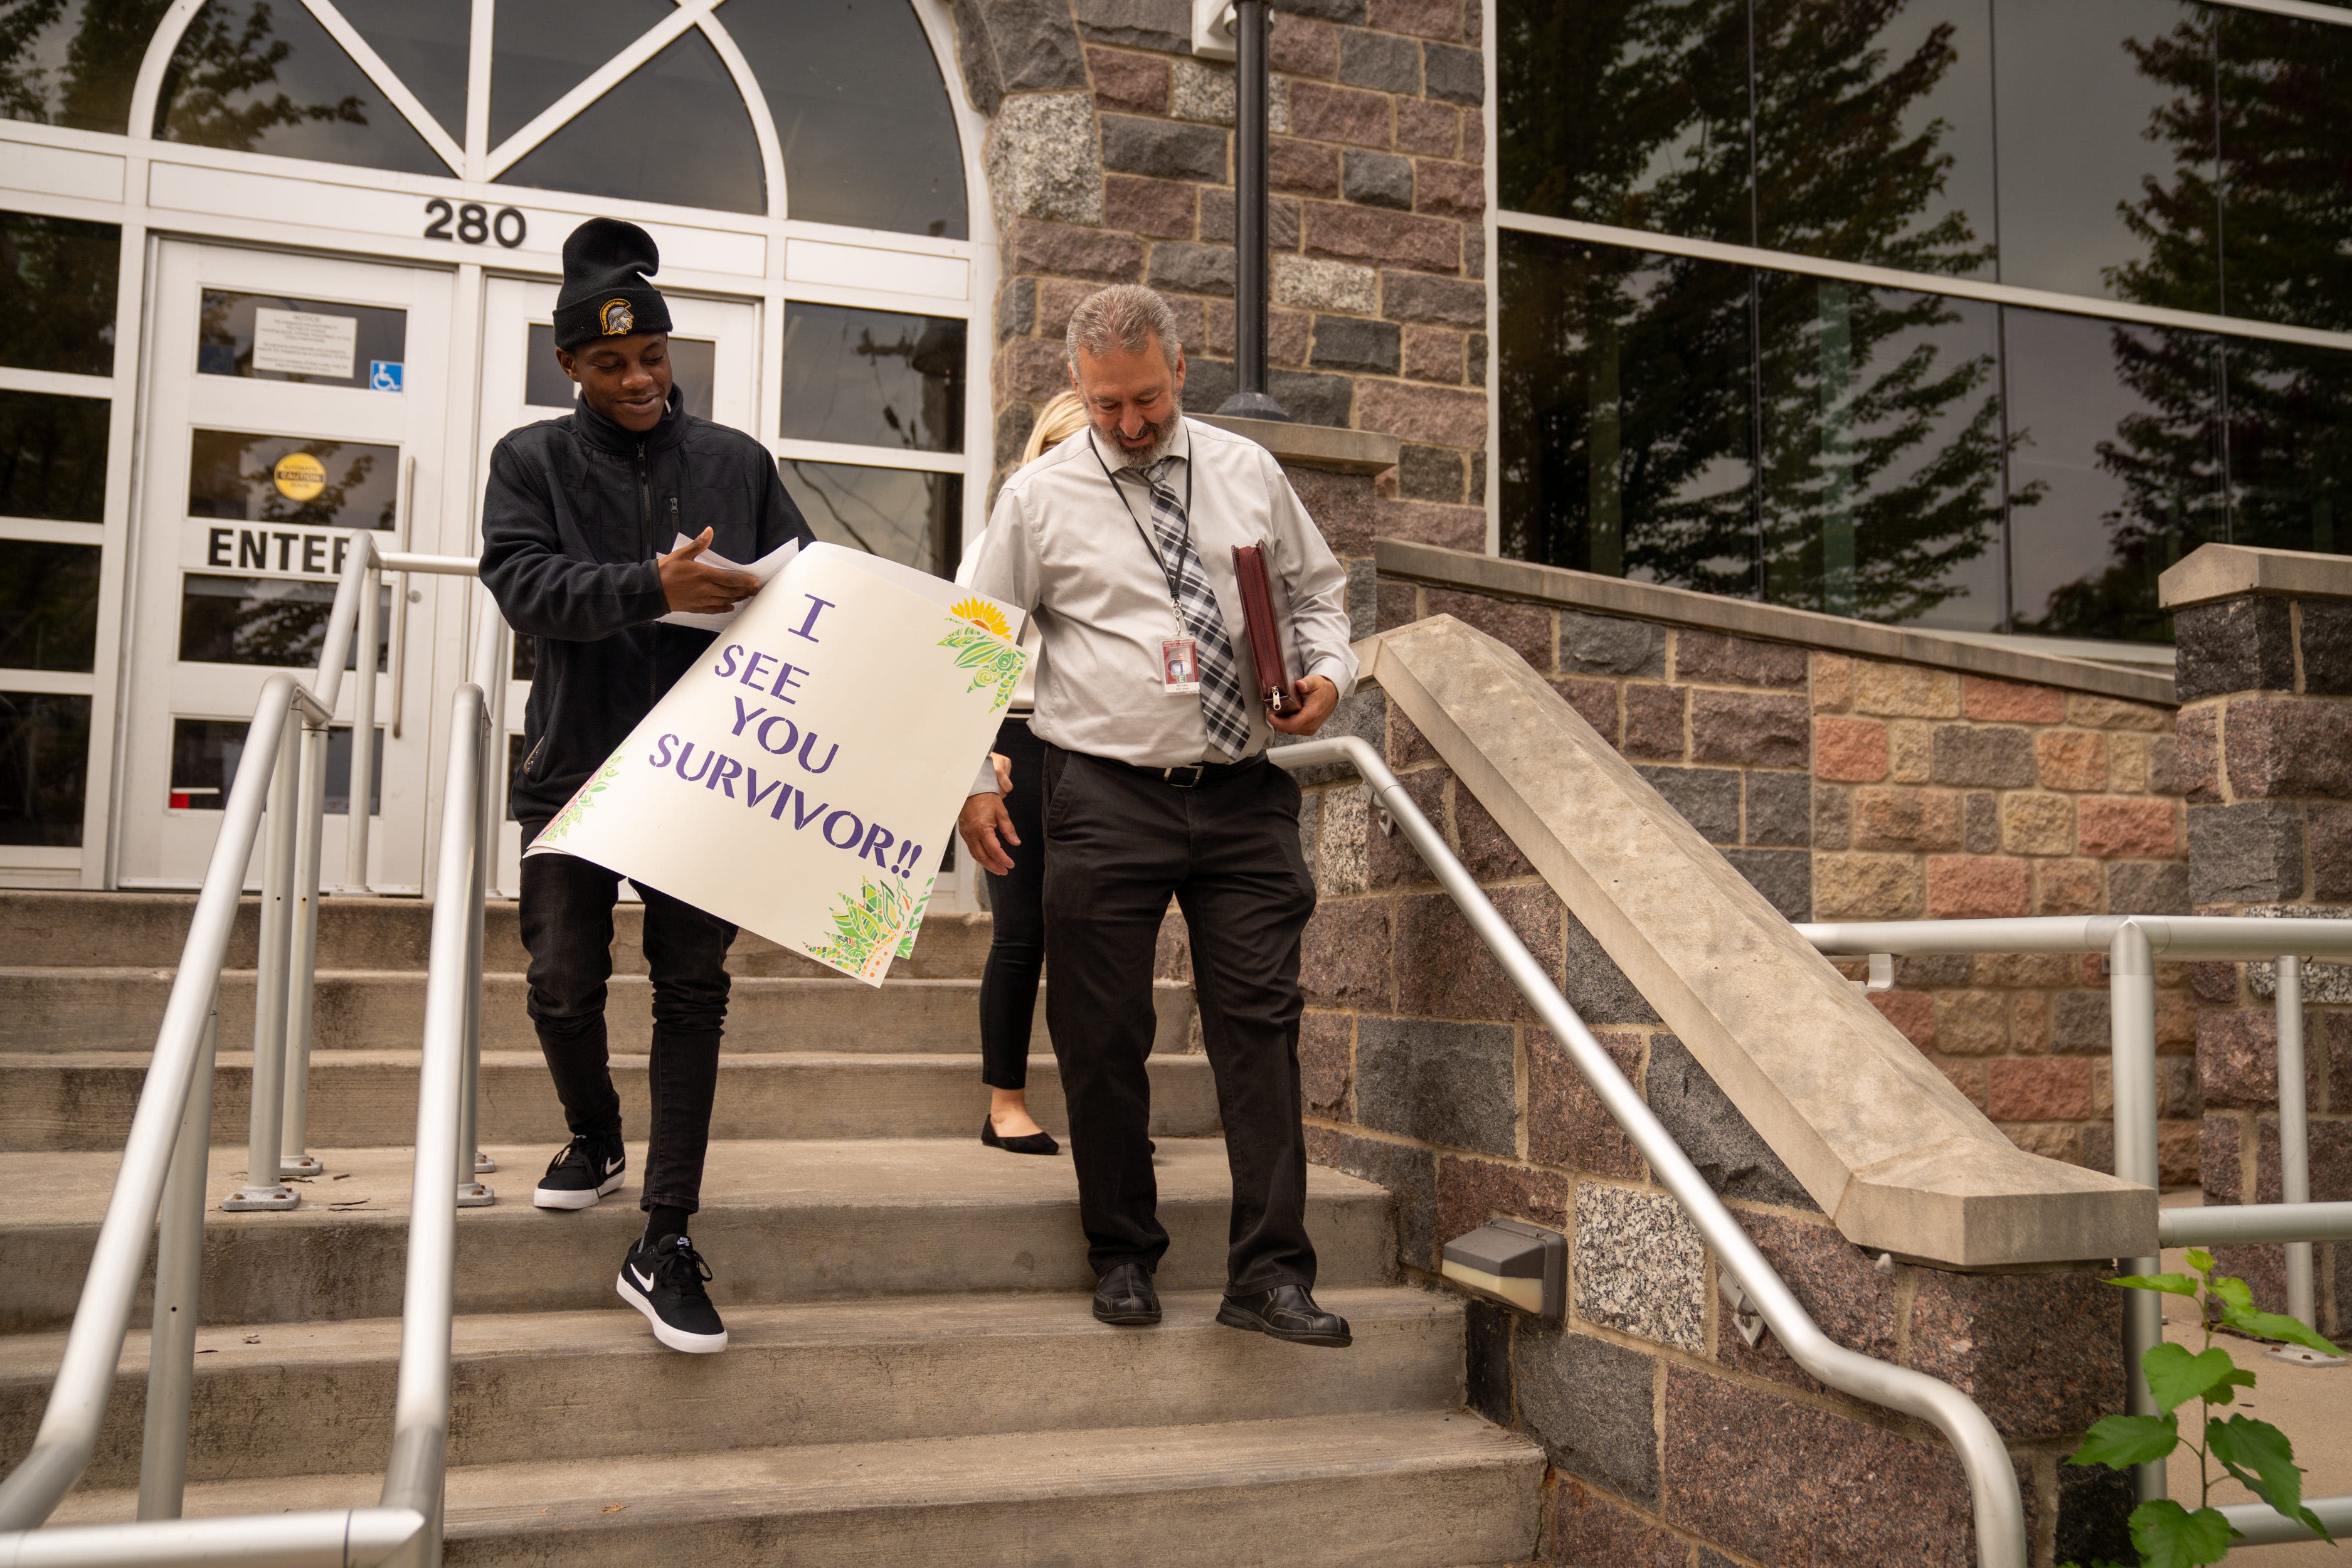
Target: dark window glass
<point x="426" y="43"/>
<point x="53" y="456"/>
<point x="262" y="76"/>
<point x="873" y="377"/>
<point x="2286" y="167"/>
<point x="48" y="605"/>
<point x="693" y="365"/>
<point x="2107" y="150"/>
<point x="542" y="49"/>
<point x="289" y="479"/>
<point x="62" y="274"/>
<point x="1627" y="412"/>
<point x="44" y="760"/>
<point x="1882" y="454"/>
<point x="526" y="657"/>
<point x="320" y="335"/>
<point x="1632" y="113"/>
<point x="674" y="131"/>
<point x="1874" y="131"/>
<point x="74" y="62"/>
<point x="2289" y="445"/>
<point x="2116" y="473"/>
<point x="868" y="134"/>
<point x="903" y="516"/>
<point x="275" y="621"/>
<point x="206" y="753"/>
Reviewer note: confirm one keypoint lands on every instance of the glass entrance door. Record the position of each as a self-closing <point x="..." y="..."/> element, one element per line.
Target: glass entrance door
<point x="293" y="401"/>
<point x="714" y="358"/>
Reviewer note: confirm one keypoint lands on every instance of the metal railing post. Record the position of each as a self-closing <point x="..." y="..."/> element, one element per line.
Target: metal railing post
<point x="362" y="785"/>
<point x="302" y="972"/>
<point x="2131" y="1008"/>
<point x="2295" y="1159"/>
<point x="179" y="1280"/>
<point x="263" y="1189"/>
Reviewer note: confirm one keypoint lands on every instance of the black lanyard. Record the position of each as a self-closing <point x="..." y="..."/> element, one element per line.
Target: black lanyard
<point x="1172" y="579"/>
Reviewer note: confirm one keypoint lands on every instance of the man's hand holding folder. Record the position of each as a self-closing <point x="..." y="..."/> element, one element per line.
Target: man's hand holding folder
<point x="1293" y="707"/>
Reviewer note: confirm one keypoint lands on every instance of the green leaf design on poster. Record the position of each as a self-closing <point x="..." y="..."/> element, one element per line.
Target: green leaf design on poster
<point x="907" y="942"/>
<point x="868" y="922"/>
<point x="577" y="807"/>
<point x="994" y="660"/>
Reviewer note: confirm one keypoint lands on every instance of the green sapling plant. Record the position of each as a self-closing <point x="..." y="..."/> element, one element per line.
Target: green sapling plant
<point x="2258" y="1454"/>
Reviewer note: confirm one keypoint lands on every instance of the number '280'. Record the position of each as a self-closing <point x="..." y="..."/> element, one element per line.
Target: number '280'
<point x="474" y="222"/>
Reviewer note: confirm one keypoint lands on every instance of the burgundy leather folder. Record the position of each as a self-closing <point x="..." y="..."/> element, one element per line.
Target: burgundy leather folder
<point x="1267" y="635"/>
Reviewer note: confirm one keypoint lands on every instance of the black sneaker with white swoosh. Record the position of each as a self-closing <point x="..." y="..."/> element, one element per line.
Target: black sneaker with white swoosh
<point x="663" y="1280"/>
<point x="590" y="1167"/>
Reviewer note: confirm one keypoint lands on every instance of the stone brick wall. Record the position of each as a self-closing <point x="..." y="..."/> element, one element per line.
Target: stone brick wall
<point x="1672" y="1441"/>
<point x="1849" y="788"/>
<point x="1110" y="160"/>
<point x="2265" y="685"/>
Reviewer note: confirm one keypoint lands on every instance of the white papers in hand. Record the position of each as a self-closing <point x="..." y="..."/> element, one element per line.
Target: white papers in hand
<point x="765" y="567"/>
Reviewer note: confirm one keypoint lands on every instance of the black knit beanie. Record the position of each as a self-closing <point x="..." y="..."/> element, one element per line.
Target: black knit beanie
<point x="606" y="294"/>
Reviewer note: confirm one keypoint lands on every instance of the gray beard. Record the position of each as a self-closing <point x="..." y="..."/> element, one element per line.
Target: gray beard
<point x="1170" y="431"/>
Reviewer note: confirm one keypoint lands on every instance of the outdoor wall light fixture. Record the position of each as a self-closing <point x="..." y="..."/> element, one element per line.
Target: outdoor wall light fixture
<point x="1520" y="1265"/>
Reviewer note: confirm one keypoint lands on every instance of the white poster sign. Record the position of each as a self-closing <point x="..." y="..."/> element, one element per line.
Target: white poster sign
<point x="803" y="780"/>
<point x="305" y="342"/>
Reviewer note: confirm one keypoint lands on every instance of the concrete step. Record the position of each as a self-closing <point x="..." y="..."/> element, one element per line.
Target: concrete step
<point x="120" y="1007"/>
<point x="781" y="1221"/>
<point x="312" y="1398"/>
<point x="146" y="931"/>
<point x="1408" y="1490"/>
<point x="84" y="1099"/>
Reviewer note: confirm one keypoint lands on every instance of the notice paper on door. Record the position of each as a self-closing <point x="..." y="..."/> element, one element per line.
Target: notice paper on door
<point x="304" y="342"/>
<point x="765" y="567"/>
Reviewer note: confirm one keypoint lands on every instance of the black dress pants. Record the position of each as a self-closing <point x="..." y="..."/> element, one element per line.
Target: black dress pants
<point x="1008" y="986"/>
<point x="1120" y="843"/>
<point x="567" y="929"/>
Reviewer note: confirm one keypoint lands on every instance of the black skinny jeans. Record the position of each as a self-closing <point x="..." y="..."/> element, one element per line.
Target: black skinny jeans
<point x="1008" y="986"/>
<point x="567" y="928"/>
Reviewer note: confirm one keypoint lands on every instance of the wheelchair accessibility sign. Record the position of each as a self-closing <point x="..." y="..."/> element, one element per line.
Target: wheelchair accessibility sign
<point x="383" y="375"/>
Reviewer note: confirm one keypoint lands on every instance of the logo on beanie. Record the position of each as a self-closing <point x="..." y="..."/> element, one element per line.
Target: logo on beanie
<point x="616" y="320"/>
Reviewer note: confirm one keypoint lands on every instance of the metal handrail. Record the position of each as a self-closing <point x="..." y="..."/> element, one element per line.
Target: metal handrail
<point x="1992" y="1480"/>
<point x="164" y="1156"/>
<point x="2132" y="943"/>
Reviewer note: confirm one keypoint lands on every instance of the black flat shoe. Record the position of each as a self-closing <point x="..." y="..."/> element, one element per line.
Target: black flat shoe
<point x="1286" y="1312"/>
<point x="1027" y="1143"/>
<point x="1125" y="1296"/>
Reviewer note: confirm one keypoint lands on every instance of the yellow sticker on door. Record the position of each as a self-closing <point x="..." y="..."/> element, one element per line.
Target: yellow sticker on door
<point x="299" y="476"/>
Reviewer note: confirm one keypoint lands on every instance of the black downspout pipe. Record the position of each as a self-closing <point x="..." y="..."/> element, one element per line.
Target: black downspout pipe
<point x="1250" y="399"/>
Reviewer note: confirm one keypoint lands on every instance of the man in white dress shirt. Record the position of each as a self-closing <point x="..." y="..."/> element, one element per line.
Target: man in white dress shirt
<point x="1120" y="542"/>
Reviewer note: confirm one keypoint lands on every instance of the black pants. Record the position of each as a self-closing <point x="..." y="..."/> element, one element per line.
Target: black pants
<point x="1120" y="845"/>
<point x="1008" y="986"/>
<point x="567" y="928"/>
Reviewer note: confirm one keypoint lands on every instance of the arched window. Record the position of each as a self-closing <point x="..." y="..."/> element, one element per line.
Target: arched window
<point x="634" y="99"/>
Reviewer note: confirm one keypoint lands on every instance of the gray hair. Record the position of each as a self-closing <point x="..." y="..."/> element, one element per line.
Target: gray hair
<point x="1127" y="314"/>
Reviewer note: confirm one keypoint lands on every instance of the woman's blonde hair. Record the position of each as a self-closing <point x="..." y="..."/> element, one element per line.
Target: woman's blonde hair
<point x="1056" y="423"/>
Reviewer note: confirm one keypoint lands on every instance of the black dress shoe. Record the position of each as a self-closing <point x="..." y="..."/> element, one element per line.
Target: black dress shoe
<point x="1027" y="1143"/>
<point x="1286" y="1312"/>
<point x="1125" y="1296"/>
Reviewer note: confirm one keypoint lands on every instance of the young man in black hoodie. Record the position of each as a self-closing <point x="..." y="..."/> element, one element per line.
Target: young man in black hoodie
<point x="576" y="529"/>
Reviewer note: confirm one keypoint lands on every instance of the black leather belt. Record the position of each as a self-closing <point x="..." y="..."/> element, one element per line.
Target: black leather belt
<point x="1186" y="775"/>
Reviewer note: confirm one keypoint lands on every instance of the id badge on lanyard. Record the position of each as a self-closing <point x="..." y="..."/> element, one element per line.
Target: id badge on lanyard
<point x="1180" y="666"/>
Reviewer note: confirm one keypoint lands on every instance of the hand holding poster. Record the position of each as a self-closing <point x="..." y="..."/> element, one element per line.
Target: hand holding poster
<point x="803" y="780"/>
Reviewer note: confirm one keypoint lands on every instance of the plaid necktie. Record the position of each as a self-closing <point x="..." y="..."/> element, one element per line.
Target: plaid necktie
<point x="1223" y="710"/>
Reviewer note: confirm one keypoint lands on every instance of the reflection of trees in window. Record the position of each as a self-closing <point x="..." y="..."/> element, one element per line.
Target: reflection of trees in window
<point x="229" y="477"/>
<point x="63" y="275"/>
<point x="74" y="62"/>
<point x="1882" y="452"/>
<point x="1631" y="112"/>
<point x="1630" y="382"/>
<point x="262" y="76"/>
